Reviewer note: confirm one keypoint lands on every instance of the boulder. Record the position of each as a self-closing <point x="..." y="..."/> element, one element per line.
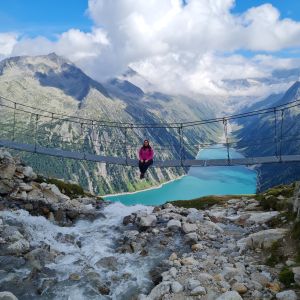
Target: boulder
<point x="214" y="226"/>
<point x="296" y="272"/>
<point x="230" y="272"/>
<point x="196" y="247"/>
<point x="130" y="234"/>
<point x="25" y="187"/>
<point x="156" y="272"/>
<point x="262" y="217"/>
<point x="195" y="216"/>
<point x="286" y="295"/>
<point x="7" y="167"/>
<point x="28" y="173"/>
<point x="231" y="295"/>
<point x="262" y="239"/>
<point x="252" y="206"/>
<point x="191" y="238"/>
<point x="160" y="290"/>
<point x="128" y="219"/>
<point x="174" y="225"/>
<point x="189" y="261"/>
<point x="187" y="227"/>
<point x="7" y="296"/>
<point x="176" y="287"/>
<point x="147" y="221"/>
<point x="197" y="291"/>
<point x="6" y="186"/>
<point x="240" y="288"/>
<point x="35" y="195"/>
<point x="18" y="247"/>
<point x="192" y="284"/>
<point x="109" y="262"/>
<point x="173" y="256"/>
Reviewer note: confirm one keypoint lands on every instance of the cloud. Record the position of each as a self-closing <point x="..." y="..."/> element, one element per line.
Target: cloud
<point x="74" y="44"/>
<point x="187" y="48"/>
<point x="7" y="43"/>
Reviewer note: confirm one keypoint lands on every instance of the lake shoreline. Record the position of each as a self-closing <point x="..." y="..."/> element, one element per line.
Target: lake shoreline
<point x="144" y="190"/>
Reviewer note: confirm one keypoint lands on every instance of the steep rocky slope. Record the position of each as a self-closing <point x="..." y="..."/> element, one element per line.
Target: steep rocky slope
<point x="259" y="131"/>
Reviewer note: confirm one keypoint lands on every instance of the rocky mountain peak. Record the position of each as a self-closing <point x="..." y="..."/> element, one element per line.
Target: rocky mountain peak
<point x="292" y="94"/>
<point x="52" y="70"/>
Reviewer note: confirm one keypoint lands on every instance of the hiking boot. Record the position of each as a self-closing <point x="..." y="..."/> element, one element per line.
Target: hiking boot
<point x="142" y="176"/>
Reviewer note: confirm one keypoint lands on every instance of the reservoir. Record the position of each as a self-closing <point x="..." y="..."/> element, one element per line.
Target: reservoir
<point x="200" y="181"/>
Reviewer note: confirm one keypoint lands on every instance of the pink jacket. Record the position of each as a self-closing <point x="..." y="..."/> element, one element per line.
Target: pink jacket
<point x="146" y="154"/>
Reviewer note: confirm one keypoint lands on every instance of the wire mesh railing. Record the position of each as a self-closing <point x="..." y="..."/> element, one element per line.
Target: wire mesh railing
<point x="273" y="132"/>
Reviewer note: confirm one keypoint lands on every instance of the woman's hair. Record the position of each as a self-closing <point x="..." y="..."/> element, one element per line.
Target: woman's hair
<point x="148" y="144"/>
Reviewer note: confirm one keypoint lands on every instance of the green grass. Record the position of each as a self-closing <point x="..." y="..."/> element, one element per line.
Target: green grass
<point x="286" y="276"/>
<point x="70" y="189"/>
<point x="269" y="200"/>
<point x="276" y="255"/>
<point x="205" y="202"/>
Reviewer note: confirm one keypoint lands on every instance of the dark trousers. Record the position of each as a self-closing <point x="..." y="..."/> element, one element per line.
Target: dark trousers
<point x="145" y="165"/>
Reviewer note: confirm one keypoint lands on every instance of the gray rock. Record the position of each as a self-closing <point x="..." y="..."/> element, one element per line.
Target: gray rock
<point x="109" y="262"/>
<point x="231" y="295"/>
<point x="197" y="291"/>
<point x="296" y="272"/>
<point x="286" y="295"/>
<point x="147" y="221"/>
<point x="28" y="173"/>
<point x="262" y="217"/>
<point x="130" y="234"/>
<point x="128" y="219"/>
<point x="6" y="186"/>
<point x="176" y="287"/>
<point x="189" y="261"/>
<point x="7" y="168"/>
<point x="195" y="216"/>
<point x="7" y="296"/>
<point x="192" y="284"/>
<point x="262" y="239"/>
<point x="239" y="287"/>
<point x="173" y="272"/>
<point x="256" y="295"/>
<point x="230" y="272"/>
<point x="160" y="290"/>
<point x="214" y="226"/>
<point x="174" y="225"/>
<point x="191" y="238"/>
<point x="25" y="187"/>
<point x="260" y="278"/>
<point x="187" y="227"/>
<point x="18" y="247"/>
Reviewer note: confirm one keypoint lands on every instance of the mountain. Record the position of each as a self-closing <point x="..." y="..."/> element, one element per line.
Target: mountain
<point x="259" y="132"/>
<point x="52" y="83"/>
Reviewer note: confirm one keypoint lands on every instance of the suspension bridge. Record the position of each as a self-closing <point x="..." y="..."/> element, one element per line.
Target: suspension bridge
<point x="30" y="129"/>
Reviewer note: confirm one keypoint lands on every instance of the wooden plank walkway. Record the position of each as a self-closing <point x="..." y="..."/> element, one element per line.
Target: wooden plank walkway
<point x="134" y="163"/>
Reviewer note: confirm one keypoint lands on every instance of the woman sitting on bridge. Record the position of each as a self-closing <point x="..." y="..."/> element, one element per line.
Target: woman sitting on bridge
<point x="146" y="154"/>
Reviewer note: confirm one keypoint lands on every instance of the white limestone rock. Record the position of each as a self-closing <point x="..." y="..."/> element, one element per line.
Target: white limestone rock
<point x="230" y="295"/>
<point x="187" y="227"/>
<point x="174" y="225"/>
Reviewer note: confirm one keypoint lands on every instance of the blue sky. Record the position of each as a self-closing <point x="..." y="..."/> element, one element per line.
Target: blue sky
<point x="288" y="8"/>
<point x="51" y="17"/>
<point x="43" y="17"/>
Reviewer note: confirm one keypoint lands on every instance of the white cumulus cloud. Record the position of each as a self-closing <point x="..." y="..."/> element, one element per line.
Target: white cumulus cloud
<point x="188" y="48"/>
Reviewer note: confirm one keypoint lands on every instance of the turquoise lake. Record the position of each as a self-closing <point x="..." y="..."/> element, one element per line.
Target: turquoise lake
<point x="200" y="181"/>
